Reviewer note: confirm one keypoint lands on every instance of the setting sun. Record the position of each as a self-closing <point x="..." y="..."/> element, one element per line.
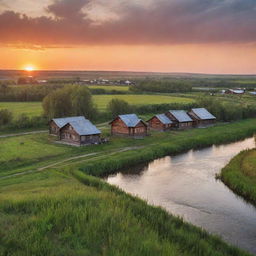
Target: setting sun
<point x="29" y="68"/>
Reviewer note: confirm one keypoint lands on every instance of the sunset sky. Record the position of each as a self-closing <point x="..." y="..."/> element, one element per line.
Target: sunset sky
<point x="203" y="36"/>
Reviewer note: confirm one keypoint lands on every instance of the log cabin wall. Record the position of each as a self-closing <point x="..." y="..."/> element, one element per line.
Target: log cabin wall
<point x="156" y="124"/>
<point x="68" y="134"/>
<point x="118" y="127"/>
<point x="141" y="129"/>
<point x="90" y="139"/>
<point x="53" y="128"/>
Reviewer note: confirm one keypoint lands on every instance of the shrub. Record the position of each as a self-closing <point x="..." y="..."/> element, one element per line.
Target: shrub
<point x="5" y="117"/>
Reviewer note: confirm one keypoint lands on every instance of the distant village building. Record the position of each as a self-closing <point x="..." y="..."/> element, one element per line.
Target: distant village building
<point x="128" y="125"/>
<point x="180" y="119"/>
<point x="160" y="123"/>
<point x="202" y="117"/>
<point x="235" y="91"/>
<point x="81" y="132"/>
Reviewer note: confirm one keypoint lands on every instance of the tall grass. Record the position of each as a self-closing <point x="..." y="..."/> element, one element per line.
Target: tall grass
<point x="197" y="139"/>
<point x="236" y="176"/>
<point x="189" y="239"/>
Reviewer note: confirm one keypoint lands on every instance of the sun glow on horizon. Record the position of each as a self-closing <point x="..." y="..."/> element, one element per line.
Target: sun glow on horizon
<point x="29" y="68"/>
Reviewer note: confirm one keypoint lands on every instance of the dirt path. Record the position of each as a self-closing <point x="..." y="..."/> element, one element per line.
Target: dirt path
<point x="22" y="133"/>
<point x="69" y="159"/>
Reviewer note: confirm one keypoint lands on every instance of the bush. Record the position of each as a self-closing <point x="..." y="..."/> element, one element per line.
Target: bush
<point x="117" y="107"/>
<point x="5" y="117"/>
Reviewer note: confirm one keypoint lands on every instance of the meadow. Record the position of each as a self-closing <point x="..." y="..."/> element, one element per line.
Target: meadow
<point x="61" y="210"/>
<point x="28" y="108"/>
<point x="101" y="101"/>
<point x="110" y="87"/>
<point x="69" y="213"/>
<point x="240" y="175"/>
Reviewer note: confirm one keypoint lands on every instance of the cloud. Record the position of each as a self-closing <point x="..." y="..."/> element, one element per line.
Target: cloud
<point x="159" y="22"/>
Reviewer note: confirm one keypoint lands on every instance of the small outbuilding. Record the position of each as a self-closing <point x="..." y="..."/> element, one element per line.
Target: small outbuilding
<point x="80" y="132"/>
<point x="129" y="125"/>
<point x="180" y="119"/>
<point x="202" y="117"/>
<point x="57" y="123"/>
<point x="160" y="122"/>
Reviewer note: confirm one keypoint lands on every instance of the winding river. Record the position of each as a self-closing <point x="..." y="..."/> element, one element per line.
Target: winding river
<point x="185" y="185"/>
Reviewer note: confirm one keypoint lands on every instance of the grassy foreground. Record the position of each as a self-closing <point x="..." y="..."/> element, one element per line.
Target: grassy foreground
<point x="70" y="213"/>
<point x="240" y="175"/>
<point x="63" y="211"/>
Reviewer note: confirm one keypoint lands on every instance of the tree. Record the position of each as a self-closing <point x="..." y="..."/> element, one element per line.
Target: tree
<point x="117" y="107"/>
<point x="69" y="101"/>
<point x="82" y="104"/>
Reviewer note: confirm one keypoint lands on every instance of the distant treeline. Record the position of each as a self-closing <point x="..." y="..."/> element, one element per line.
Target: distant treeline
<point x="162" y="86"/>
<point x="26" y="92"/>
<point x="23" y="93"/>
<point x="221" y="83"/>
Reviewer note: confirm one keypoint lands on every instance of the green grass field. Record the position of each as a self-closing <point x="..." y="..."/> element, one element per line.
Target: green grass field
<point x="29" y="108"/>
<point x="110" y="87"/>
<point x="240" y="174"/>
<point x="60" y="210"/>
<point x="35" y="108"/>
<point x="102" y="100"/>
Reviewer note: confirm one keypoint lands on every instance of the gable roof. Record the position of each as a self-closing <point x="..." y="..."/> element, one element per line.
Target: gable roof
<point x="181" y="115"/>
<point x="236" y="91"/>
<point x="84" y="127"/>
<point x="203" y="113"/>
<point x="130" y="120"/>
<point x="63" y="121"/>
<point x="164" y="119"/>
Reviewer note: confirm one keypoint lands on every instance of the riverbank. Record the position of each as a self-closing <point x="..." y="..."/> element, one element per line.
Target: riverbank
<point x="240" y="175"/>
<point x="70" y="213"/>
<point x="169" y="143"/>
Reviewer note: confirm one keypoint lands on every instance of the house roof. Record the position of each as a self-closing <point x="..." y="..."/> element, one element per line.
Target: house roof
<point x="164" y="119"/>
<point x="237" y="91"/>
<point x="203" y="113"/>
<point x="63" y="121"/>
<point x="181" y="115"/>
<point x="131" y="120"/>
<point x="84" y="127"/>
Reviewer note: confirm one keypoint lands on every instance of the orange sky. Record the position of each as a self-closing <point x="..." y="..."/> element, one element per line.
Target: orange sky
<point x="177" y="58"/>
<point x="135" y="35"/>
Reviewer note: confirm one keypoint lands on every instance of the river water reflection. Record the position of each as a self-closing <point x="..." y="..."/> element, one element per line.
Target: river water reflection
<point x="185" y="185"/>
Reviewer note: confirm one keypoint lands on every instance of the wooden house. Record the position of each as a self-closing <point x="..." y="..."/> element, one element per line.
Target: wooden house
<point x="128" y="125"/>
<point x="180" y="119"/>
<point x="80" y="132"/>
<point x="57" y="123"/>
<point x="235" y="91"/>
<point x="202" y="117"/>
<point x="160" y="123"/>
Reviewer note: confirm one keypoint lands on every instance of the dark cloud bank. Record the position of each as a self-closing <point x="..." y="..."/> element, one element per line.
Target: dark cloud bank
<point x="163" y="22"/>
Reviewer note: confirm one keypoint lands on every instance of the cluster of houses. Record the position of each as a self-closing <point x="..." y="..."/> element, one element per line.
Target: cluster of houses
<point x="80" y="131"/>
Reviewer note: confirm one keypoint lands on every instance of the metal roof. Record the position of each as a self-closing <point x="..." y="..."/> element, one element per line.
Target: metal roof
<point x="203" y="113"/>
<point x="63" y="121"/>
<point x="164" y="119"/>
<point x="181" y="115"/>
<point x="84" y="127"/>
<point x="237" y="91"/>
<point x="131" y="120"/>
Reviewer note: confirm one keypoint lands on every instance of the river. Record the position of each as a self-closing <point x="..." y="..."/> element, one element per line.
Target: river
<point x="185" y="185"/>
